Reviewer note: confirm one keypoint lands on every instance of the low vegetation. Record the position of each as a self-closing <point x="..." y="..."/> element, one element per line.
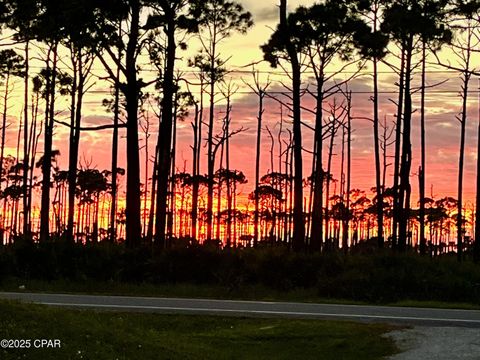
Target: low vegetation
<point x="109" y="335"/>
<point x="361" y="277"/>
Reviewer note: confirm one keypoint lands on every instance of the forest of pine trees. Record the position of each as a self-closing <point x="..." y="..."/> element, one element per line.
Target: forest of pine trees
<point x="163" y="67"/>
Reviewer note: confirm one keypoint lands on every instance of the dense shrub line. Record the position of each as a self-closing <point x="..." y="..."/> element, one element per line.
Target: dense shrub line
<point x="374" y="277"/>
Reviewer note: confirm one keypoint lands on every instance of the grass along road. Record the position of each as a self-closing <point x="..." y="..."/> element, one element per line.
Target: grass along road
<point x="91" y="334"/>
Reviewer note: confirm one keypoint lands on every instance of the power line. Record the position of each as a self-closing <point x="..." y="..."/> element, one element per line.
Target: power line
<point x="268" y="72"/>
<point x="326" y="93"/>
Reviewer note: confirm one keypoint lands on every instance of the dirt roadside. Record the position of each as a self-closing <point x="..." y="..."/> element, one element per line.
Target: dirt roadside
<point x="437" y="343"/>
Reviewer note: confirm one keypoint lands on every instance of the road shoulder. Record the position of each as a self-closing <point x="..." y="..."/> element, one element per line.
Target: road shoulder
<point x="437" y="343"/>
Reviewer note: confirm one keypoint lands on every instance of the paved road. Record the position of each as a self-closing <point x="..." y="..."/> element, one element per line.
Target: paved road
<point x="404" y="315"/>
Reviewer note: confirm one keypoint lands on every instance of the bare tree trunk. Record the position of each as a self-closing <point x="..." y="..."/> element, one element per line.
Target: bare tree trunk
<point x="476" y="245"/>
<point x="211" y="157"/>
<point x="378" y="183"/>
<point x="229" y="178"/>
<point x="76" y="118"/>
<point x="95" y="218"/>
<point x="47" y="154"/>
<point x="196" y="171"/>
<point x="405" y="187"/>
<point x="116" y="115"/>
<point x="396" y="171"/>
<point x="210" y="166"/>
<point x="421" y="173"/>
<point x="329" y="177"/>
<point x="73" y="149"/>
<point x="339" y="218"/>
<point x="196" y="183"/>
<point x="384" y="152"/>
<point x="286" y="230"/>
<point x="272" y="204"/>
<point x="34" y="138"/>
<point x="172" y="218"/>
<point x="165" y="135"/>
<point x="219" y="188"/>
<point x="257" y="166"/>
<point x="146" y="174"/>
<point x="463" y="124"/>
<point x="316" y="235"/>
<point x="298" y="218"/>
<point x="14" y="226"/>
<point x="26" y="150"/>
<point x="280" y="223"/>
<point x="151" y="215"/>
<point x="4" y="126"/>
<point x="291" y="172"/>
<point x="346" y="227"/>
<point x="133" y="207"/>
<point x="235" y="239"/>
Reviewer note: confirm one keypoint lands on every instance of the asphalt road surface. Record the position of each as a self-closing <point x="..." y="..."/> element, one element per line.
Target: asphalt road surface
<point x="386" y="314"/>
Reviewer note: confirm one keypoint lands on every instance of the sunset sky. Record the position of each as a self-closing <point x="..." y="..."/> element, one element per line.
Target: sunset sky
<point x="443" y="104"/>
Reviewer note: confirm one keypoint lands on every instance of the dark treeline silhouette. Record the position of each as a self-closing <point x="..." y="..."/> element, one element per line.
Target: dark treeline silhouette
<point x="305" y="207"/>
